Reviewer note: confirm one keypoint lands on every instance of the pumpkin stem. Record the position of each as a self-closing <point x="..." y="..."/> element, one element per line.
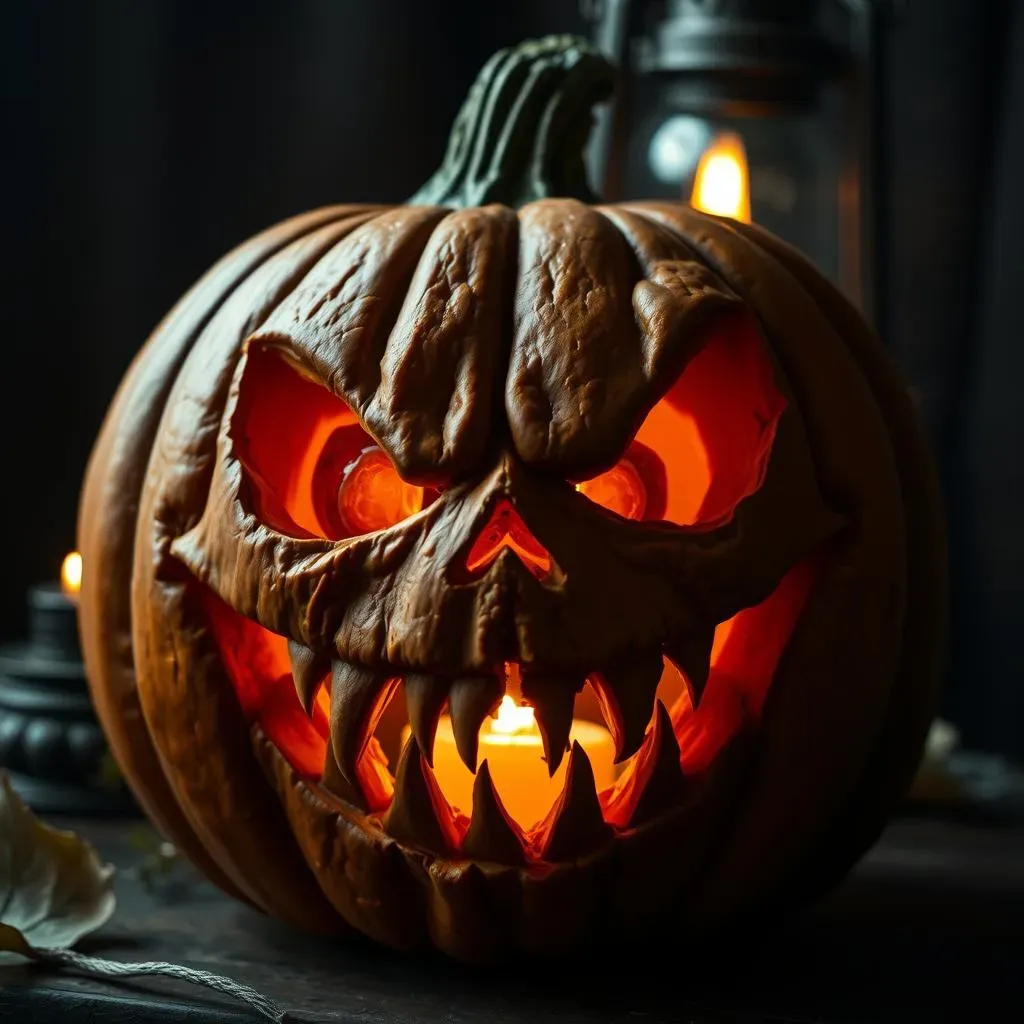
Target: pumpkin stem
<point x="521" y="132"/>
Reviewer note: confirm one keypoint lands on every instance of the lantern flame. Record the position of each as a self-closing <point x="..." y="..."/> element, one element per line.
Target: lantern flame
<point x="722" y="183"/>
<point x="71" y="574"/>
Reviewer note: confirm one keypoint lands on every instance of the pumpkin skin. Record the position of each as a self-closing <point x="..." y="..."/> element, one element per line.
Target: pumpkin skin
<point x="504" y="350"/>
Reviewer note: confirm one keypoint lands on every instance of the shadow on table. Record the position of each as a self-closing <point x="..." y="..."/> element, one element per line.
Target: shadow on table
<point x="931" y="923"/>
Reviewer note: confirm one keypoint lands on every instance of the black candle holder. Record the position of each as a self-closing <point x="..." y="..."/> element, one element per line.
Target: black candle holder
<point x="50" y="741"/>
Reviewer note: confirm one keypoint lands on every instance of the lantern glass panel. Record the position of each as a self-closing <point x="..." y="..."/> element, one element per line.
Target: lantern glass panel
<point x="795" y="157"/>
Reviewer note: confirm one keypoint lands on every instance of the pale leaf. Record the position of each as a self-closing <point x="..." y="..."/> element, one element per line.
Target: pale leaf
<point x="53" y="888"/>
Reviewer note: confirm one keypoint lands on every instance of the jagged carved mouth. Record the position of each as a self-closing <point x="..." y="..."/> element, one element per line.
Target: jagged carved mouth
<point x="425" y="759"/>
<point x="479" y="752"/>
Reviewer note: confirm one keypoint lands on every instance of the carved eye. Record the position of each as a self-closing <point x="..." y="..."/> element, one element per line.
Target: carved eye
<point x="705" y="446"/>
<point x="312" y="470"/>
<point x="713" y="430"/>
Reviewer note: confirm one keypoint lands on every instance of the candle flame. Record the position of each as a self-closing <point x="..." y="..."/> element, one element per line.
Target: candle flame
<point x="71" y="574"/>
<point x="513" y="719"/>
<point x="722" y="182"/>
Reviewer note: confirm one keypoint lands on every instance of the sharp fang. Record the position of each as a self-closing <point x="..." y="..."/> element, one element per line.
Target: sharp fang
<point x="335" y="782"/>
<point x="575" y="825"/>
<point x="493" y="835"/>
<point x="552" y="698"/>
<point x="419" y="814"/>
<point x="691" y="653"/>
<point x="658" y="773"/>
<point x="358" y="695"/>
<point x="424" y="699"/>
<point x="309" y="671"/>
<point x="631" y="685"/>
<point x="470" y="702"/>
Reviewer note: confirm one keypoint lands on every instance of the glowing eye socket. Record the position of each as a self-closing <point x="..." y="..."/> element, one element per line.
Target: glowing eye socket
<point x="372" y="496"/>
<point x="620" y="490"/>
<point x="310" y="469"/>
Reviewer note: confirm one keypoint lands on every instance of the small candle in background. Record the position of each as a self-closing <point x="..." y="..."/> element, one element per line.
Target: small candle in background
<point x="53" y="611"/>
<point x="50" y="739"/>
<point x="71" y="576"/>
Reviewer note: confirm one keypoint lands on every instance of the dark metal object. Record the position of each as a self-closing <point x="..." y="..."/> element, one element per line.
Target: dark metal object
<point x="50" y="740"/>
<point x="756" y="59"/>
<point x="741" y="53"/>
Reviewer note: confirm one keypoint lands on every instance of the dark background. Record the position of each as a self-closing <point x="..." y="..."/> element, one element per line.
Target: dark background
<point x="144" y="138"/>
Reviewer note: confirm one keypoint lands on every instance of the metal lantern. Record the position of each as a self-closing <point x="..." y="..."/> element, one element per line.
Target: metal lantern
<point x="759" y="109"/>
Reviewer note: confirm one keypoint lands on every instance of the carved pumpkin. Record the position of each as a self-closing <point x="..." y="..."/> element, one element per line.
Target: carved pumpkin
<point x="628" y="463"/>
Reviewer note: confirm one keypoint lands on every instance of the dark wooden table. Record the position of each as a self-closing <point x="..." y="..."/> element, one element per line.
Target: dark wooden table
<point x="929" y="928"/>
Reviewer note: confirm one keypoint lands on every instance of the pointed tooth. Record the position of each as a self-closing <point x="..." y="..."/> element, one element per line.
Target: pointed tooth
<point x="358" y="695"/>
<point x="575" y="825"/>
<point x="309" y="670"/>
<point x="424" y="699"/>
<point x="493" y="835"/>
<point x="691" y="653"/>
<point x="419" y="814"/>
<point x="552" y="697"/>
<point x="658" y="773"/>
<point x="631" y="685"/>
<point x="470" y="701"/>
<point x="334" y="782"/>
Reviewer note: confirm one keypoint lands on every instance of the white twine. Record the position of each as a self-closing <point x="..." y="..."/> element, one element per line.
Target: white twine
<point x="117" y="969"/>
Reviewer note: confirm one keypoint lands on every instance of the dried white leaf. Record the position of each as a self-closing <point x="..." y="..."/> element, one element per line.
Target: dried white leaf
<point x="53" y="887"/>
<point x="54" y="890"/>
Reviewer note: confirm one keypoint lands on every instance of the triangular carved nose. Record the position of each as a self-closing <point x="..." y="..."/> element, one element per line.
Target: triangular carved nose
<point x="506" y="529"/>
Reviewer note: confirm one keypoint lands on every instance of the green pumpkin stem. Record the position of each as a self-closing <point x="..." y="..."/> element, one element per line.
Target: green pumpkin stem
<point x="520" y="134"/>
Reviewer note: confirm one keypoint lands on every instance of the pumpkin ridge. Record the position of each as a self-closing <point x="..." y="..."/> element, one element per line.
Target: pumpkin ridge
<point x="162" y="516"/>
<point x="791" y="319"/>
<point x="571" y="370"/>
<point x="340" y="319"/>
<point x="107" y="519"/>
<point x="444" y="355"/>
<point x="907" y="718"/>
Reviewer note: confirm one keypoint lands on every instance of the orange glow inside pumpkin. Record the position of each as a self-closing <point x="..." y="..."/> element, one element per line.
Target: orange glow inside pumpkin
<point x="745" y="656"/>
<point x="506" y="529"/>
<point x="703" y="448"/>
<point x="372" y="496"/>
<point x="620" y="490"/>
<point x="256" y="661"/>
<point x="312" y="470"/>
<point x="714" y="428"/>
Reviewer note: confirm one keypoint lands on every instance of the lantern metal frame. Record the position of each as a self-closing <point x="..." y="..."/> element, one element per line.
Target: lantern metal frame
<point x="758" y="58"/>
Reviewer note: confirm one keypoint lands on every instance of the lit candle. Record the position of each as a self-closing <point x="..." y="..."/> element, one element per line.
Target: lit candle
<point x="71" y="576"/>
<point x="511" y="744"/>
<point x="722" y="183"/>
<point x="53" y="612"/>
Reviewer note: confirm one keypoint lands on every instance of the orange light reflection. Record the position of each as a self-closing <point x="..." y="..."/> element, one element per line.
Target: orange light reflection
<point x="373" y="495"/>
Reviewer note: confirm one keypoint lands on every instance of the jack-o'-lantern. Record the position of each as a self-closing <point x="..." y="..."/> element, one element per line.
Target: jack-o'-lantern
<point x="626" y="466"/>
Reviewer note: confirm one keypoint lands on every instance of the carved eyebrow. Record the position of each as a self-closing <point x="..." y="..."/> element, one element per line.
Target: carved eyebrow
<point x="403" y="320"/>
<point x="605" y="326"/>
